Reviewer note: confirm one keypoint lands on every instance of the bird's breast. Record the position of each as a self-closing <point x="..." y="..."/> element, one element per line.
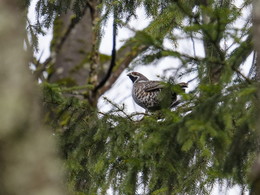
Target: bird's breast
<point x="145" y="99"/>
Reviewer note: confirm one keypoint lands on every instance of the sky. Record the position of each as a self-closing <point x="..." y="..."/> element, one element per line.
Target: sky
<point x="124" y="84"/>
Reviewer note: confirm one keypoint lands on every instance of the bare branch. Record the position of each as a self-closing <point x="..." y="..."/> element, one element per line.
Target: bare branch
<point x="122" y="110"/>
<point x="113" y="56"/>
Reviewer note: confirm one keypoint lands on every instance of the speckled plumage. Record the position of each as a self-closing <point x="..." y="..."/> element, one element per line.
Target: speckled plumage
<point x="147" y="94"/>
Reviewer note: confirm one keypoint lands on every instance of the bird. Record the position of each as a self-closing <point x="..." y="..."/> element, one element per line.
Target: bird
<point x="153" y="95"/>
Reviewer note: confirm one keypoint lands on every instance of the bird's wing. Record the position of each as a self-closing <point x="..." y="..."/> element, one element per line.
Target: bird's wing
<point x="154" y="86"/>
<point x="158" y="85"/>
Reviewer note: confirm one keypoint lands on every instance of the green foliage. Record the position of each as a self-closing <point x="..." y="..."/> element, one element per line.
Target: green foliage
<point x="172" y="155"/>
<point x="210" y="137"/>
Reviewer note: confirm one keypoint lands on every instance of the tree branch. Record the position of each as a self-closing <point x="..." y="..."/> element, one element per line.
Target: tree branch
<point x="128" y="54"/>
<point x="122" y="110"/>
<point x="113" y="55"/>
<point x="242" y="75"/>
<point x="240" y="54"/>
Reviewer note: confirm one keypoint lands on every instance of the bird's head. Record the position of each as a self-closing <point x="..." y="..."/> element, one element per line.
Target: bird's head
<point x="137" y="77"/>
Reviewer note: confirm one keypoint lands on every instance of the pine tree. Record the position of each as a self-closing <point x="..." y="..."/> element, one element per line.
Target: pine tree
<point x="211" y="137"/>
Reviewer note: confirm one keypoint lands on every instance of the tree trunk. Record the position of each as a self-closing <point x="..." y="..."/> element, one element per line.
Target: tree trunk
<point x="74" y="46"/>
<point x="255" y="174"/>
<point x="75" y="57"/>
<point x="28" y="156"/>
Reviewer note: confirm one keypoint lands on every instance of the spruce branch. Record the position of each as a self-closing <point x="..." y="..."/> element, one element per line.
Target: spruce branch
<point x="122" y="110"/>
<point x="239" y="55"/>
<point x="242" y="75"/>
<point x="204" y="30"/>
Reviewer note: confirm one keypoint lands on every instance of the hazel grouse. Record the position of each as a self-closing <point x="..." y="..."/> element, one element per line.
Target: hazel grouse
<point x="153" y="95"/>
